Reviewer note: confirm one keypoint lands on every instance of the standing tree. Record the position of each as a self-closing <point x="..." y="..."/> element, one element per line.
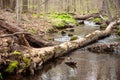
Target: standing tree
<point x="25" y="5"/>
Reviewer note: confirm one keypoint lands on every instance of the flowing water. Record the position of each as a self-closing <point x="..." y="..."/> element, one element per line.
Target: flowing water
<point x="88" y="65"/>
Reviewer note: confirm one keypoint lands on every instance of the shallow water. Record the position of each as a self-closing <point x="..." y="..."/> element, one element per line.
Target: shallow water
<point x="89" y="66"/>
<point x="81" y="31"/>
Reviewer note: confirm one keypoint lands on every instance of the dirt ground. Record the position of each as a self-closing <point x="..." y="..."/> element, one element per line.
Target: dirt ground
<point x="29" y="21"/>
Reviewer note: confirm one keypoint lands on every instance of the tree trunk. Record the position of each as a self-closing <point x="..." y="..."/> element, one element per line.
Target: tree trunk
<point x="102" y="48"/>
<point x="31" y="39"/>
<point x="84" y="17"/>
<point x="25" y="5"/>
<point x="37" y="56"/>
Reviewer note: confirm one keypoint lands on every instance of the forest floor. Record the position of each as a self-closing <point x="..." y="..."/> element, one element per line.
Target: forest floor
<point x="30" y="22"/>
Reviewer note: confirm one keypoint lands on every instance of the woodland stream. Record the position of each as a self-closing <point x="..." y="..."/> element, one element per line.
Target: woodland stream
<point x="88" y="65"/>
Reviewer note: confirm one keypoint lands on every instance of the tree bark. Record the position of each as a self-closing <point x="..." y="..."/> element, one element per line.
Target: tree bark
<point x="101" y="48"/>
<point x="84" y="17"/>
<point x="25" y="5"/>
<point x="31" y="39"/>
<point x="38" y="56"/>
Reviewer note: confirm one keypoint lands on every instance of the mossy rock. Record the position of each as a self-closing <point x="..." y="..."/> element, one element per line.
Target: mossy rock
<point x="97" y="20"/>
<point x="50" y="38"/>
<point x="12" y="66"/>
<point x="70" y="34"/>
<point x="61" y="21"/>
<point x="63" y="33"/>
<point x="51" y="30"/>
<point x="103" y="26"/>
<point x="74" y="37"/>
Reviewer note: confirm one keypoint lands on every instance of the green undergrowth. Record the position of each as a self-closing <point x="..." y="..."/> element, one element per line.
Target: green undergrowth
<point x="97" y="20"/>
<point x="12" y="66"/>
<point x="16" y="52"/>
<point x="62" y="20"/>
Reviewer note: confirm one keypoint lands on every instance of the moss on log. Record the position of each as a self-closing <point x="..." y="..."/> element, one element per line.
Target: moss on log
<point x="38" y="56"/>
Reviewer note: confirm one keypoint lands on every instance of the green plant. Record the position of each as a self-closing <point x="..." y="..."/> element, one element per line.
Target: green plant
<point x="16" y="52"/>
<point x="97" y="20"/>
<point x="26" y="60"/>
<point x="12" y="66"/>
<point x="62" y="20"/>
<point x="74" y="37"/>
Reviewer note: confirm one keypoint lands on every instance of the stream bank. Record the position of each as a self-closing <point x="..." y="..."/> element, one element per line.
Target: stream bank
<point x="88" y="65"/>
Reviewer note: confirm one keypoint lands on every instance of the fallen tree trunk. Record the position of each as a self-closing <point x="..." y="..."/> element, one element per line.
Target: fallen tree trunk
<point x="30" y="38"/>
<point x="84" y="17"/>
<point x="35" y="57"/>
<point x="101" y="48"/>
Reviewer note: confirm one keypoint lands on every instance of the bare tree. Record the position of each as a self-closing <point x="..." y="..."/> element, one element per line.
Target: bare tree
<point x="25" y="5"/>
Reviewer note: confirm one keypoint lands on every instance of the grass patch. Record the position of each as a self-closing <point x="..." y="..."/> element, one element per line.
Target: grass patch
<point x="62" y="20"/>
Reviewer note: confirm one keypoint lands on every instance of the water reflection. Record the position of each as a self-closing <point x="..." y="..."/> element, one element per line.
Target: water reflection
<point x="90" y="66"/>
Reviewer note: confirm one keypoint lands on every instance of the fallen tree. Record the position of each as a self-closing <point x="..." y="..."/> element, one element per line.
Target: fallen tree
<point x="84" y="17"/>
<point x="33" y="58"/>
<point x="30" y="38"/>
<point x="101" y="48"/>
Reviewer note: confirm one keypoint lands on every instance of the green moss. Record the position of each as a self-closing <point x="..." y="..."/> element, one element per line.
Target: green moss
<point x="16" y="52"/>
<point x="74" y="37"/>
<point x="12" y="66"/>
<point x="103" y="26"/>
<point x="62" y="20"/>
<point x="26" y="60"/>
<point x="97" y="20"/>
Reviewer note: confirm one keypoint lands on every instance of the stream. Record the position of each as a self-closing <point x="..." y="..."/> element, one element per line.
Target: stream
<point x="87" y="65"/>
